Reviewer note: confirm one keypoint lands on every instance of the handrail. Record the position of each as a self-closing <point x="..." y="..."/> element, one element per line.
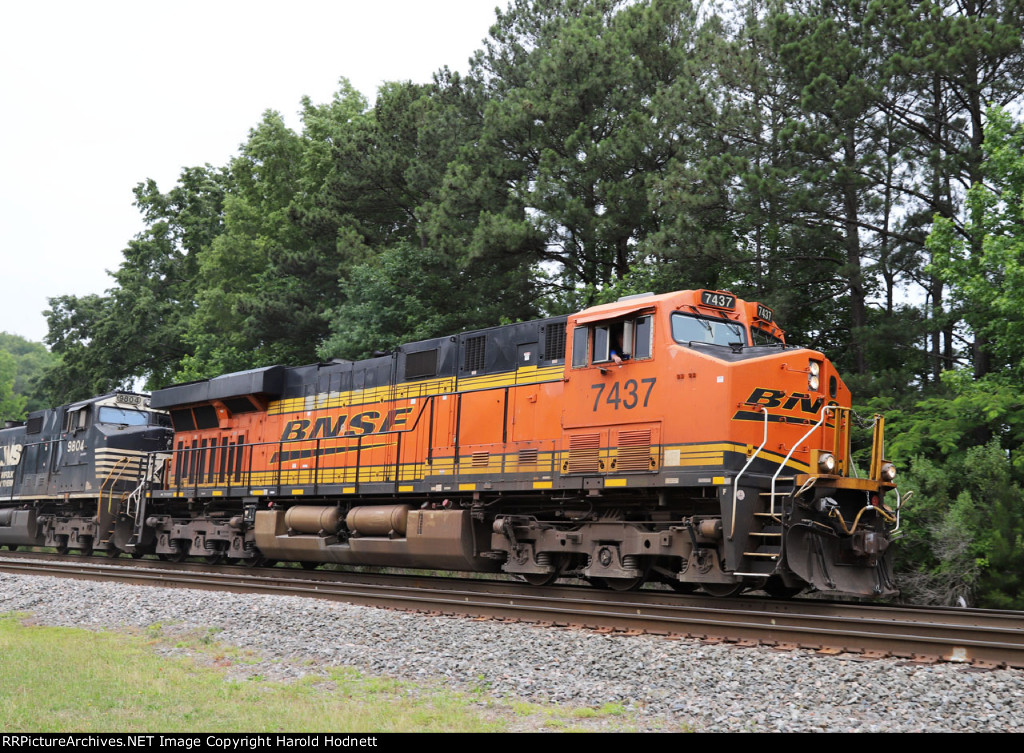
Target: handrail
<point x="736" y="481"/>
<point x="184" y="480"/>
<point x="800" y="441"/>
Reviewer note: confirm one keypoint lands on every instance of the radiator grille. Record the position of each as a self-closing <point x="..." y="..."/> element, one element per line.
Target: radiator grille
<point x="634" y="451"/>
<point x="584" y="453"/>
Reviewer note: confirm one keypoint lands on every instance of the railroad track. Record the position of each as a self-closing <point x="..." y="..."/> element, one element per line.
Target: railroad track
<point x="982" y="638"/>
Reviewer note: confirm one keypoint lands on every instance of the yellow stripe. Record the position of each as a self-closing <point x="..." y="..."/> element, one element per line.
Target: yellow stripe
<point x="410" y="390"/>
<point x="615" y="482"/>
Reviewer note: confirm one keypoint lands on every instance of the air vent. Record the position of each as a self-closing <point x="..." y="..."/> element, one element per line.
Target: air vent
<point x="554" y="342"/>
<point x="476" y="347"/>
<point x="584" y="453"/>
<point x="634" y="451"/>
<point x="528" y="456"/>
<point x="481" y="459"/>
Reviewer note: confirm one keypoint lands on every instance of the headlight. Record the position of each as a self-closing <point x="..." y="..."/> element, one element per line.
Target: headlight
<point x="888" y="472"/>
<point x="826" y="462"/>
<point x="813" y="370"/>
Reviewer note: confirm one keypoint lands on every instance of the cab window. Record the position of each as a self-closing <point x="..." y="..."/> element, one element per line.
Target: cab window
<point x="687" y="328"/>
<point x="626" y="339"/>
<point x="75" y="420"/>
<point x="122" y="416"/>
<point x="580" y="338"/>
<point x="763" y="337"/>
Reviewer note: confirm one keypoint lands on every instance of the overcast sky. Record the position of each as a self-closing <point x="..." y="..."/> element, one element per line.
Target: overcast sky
<point x="98" y="96"/>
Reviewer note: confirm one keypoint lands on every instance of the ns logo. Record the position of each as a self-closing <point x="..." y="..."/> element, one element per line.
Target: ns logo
<point x="10" y="454"/>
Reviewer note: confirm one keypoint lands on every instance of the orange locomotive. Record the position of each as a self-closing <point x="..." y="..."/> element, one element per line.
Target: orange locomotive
<point x="671" y="438"/>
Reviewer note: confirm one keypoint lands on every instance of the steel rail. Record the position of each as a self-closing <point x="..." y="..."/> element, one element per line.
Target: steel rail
<point x="983" y="638"/>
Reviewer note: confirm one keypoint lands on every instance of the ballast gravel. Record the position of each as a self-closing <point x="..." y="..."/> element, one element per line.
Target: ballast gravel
<point x="664" y="684"/>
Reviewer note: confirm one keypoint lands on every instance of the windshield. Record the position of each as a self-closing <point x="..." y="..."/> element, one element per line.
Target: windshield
<point x="110" y="415"/>
<point x="763" y="337"/>
<point x="687" y="328"/>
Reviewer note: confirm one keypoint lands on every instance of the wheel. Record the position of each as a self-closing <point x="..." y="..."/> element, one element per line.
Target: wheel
<point x="258" y="560"/>
<point x="12" y="547"/>
<point x="723" y="590"/>
<point x="681" y="587"/>
<point x="112" y="551"/>
<point x="775" y="588"/>
<point x="62" y="545"/>
<point x="624" y="584"/>
<point x="598" y="582"/>
<point x="310" y="565"/>
<point x="179" y="556"/>
<point x="86" y="546"/>
<point x="539" y="579"/>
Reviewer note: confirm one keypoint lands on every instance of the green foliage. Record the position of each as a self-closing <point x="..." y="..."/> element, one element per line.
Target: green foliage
<point x="12" y="406"/>
<point x="31" y="360"/>
<point x="984" y="264"/>
<point x="965" y="530"/>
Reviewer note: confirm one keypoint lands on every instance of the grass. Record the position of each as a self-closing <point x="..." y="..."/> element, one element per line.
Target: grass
<point x="69" y="680"/>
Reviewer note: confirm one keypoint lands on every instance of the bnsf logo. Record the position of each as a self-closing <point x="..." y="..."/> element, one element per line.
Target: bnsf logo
<point x="362" y="423"/>
<point x="10" y="455"/>
<point x="779" y="399"/>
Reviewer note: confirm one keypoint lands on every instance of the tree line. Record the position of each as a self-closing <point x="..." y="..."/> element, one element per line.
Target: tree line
<point x="854" y="164"/>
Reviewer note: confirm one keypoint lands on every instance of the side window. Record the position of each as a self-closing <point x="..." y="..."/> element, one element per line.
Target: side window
<point x="601" y="344"/>
<point x="642" y="344"/>
<point x="619" y="340"/>
<point x="76" y="420"/>
<point x="579" y="347"/>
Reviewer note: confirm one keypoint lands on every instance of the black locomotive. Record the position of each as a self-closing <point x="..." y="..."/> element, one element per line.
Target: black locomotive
<point x="72" y="477"/>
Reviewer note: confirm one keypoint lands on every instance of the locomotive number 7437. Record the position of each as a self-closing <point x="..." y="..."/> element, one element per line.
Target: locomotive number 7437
<point x="627" y="396"/>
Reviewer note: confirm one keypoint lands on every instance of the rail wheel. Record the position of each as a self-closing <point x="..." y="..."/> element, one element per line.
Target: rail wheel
<point x="723" y="590"/>
<point x="775" y="588"/>
<point x="681" y="587"/>
<point x="61" y="545"/>
<point x="624" y="584"/>
<point x="112" y="551"/>
<point x="306" y="565"/>
<point x="258" y="560"/>
<point x="86" y="546"/>
<point x="217" y="555"/>
<point x="12" y="547"/>
<point x="539" y="579"/>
